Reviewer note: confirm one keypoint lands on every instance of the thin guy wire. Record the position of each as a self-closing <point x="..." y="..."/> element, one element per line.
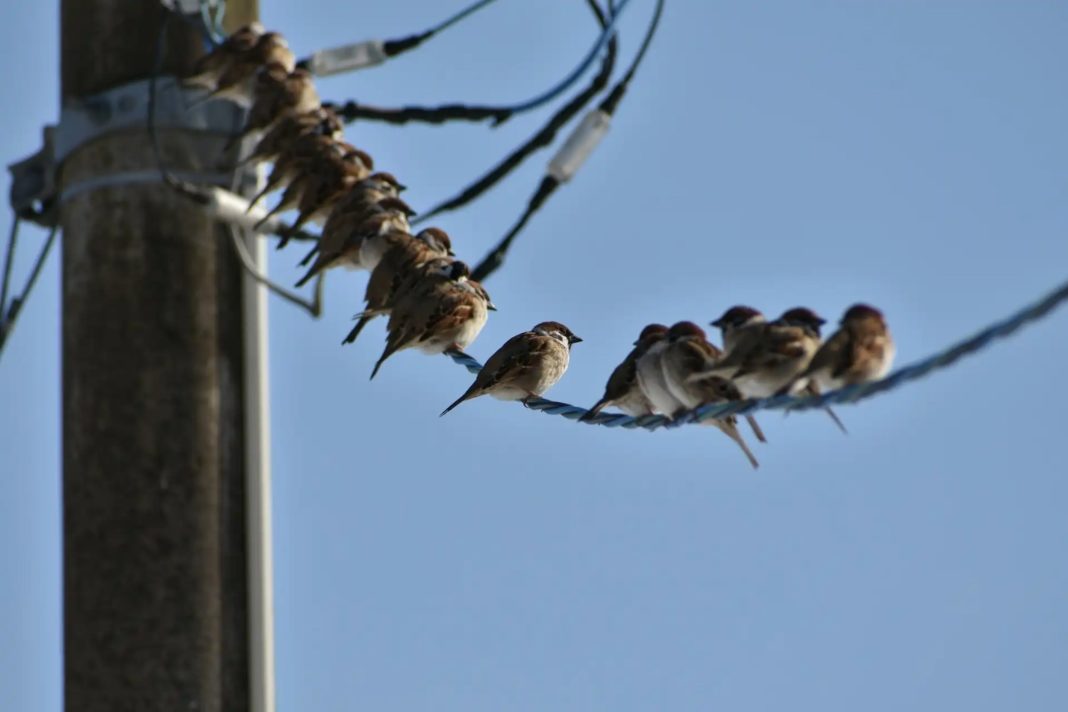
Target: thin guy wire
<point x="849" y="394"/>
<point x="7" y="321"/>
<point x="12" y="241"/>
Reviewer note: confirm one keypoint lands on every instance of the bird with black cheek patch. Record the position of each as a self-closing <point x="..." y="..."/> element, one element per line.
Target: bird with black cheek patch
<point x="862" y="350"/>
<point x="229" y="71"/>
<point x="688" y="354"/>
<point x="210" y="68"/>
<point x="348" y="214"/>
<point x="403" y="267"/>
<point x="526" y="366"/>
<point x="304" y="150"/>
<point x="321" y="180"/>
<point x="277" y="93"/>
<point x="320" y="121"/>
<point x="622" y="389"/>
<point x="739" y="325"/>
<point x="444" y="312"/>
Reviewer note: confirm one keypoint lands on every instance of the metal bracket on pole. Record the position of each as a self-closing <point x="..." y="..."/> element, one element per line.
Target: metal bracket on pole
<point x="34" y="179"/>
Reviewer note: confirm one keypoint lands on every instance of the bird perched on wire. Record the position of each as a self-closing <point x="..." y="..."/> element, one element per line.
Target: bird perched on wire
<point x="622" y="389"/>
<point x="739" y="325"/>
<point x="229" y="71"/>
<point x="685" y="359"/>
<point x="295" y="157"/>
<point x="318" y="180"/>
<point x="769" y="355"/>
<point x="321" y="121"/>
<point x="321" y="187"/>
<point x="442" y="313"/>
<point x="406" y="264"/>
<point x="526" y="366"/>
<point x="366" y="243"/>
<point x="348" y="214"/>
<point x="862" y="350"/>
<point x="277" y="93"/>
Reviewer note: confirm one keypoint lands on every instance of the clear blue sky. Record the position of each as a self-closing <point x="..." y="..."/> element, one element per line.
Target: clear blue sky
<point x="911" y="154"/>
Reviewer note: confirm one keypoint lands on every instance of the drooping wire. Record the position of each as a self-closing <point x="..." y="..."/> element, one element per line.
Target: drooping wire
<point x="849" y="394"/>
<point x="394" y="47"/>
<point x="9" y="259"/>
<point x="549" y="183"/>
<point x="351" y="110"/>
<point x="540" y="140"/>
<point x="9" y="312"/>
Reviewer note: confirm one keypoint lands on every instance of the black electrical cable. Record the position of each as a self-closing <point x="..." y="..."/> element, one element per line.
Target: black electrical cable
<point x="9" y="259"/>
<point x="495" y="258"/>
<point x="10" y="312"/>
<point x="540" y="140"/>
<point x="350" y="111"/>
<point x="394" y="47"/>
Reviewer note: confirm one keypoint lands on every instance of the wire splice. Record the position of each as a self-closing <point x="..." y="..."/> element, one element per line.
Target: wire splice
<point x="579" y="145"/>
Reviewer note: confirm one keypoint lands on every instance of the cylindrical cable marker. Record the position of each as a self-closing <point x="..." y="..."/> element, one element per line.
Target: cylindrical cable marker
<point x="347" y="58"/>
<point x="579" y="145"/>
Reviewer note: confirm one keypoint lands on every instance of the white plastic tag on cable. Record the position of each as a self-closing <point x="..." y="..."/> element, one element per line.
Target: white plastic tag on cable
<point x="347" y="58"/>
<point x="579" y="145"/>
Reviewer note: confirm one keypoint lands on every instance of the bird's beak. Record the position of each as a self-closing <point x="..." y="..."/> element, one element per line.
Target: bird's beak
<point x="491" y="306"/>
<point x="401" y="188"/>
<point x="636" y="342"/>
<point x="718" y="323"/>
<point x="450" y="253"/>
<point x="575" y="339"/>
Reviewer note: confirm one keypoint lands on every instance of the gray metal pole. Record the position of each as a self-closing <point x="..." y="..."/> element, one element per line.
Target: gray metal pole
<point x="154" y="510"/>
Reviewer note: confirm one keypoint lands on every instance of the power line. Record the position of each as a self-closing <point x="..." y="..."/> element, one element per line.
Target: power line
<point x="850" y="394"/>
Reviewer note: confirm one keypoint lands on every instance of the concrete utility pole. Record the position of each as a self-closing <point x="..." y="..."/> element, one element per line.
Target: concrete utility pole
<point x="156" y="599"/>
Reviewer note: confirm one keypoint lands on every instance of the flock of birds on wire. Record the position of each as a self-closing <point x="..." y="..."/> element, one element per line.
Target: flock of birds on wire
<point x="433" y="305"/>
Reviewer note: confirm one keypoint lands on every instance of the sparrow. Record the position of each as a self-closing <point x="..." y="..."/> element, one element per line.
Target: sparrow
<point x="236" y="81"/>
<point x="862" y="350"/>
<point x="622" y="389"/>
<point x="444" y="312"/>
<point x="350" y="212"/>
<point x="320" y="121"/>
<point x="688" y="353"/>
<point x="212" y="65"/>
<point x="526" y="366"/>
<point x="769" y="355"/>
<point x="406" y="264"/>
<point x="652" y="383"/>
<point x="365" y="244"/>
<point x="277" y="93"/>
<point x="325" y="183"/>
<point x="738" y="324"/>
<point x="319" y="180"/>
<point x="295" y="157"/>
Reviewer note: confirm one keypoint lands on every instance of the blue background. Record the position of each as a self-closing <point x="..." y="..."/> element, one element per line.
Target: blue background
<point x="911" y="154"/>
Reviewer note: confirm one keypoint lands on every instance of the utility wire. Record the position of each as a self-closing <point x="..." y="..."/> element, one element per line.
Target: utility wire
<point x="351" y="110"/>
<point x="585" y="139"/>
<point x="394" y="47"/>
<point x="540" y="140"/>
<point x="9" y="313"/>
<point x="850" y="394"/>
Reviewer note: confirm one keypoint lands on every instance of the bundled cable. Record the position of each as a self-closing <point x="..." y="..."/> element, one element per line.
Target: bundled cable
<point x="572" y="154"/>
<point x="540" y="140"/>
<point x="350" y="111"/>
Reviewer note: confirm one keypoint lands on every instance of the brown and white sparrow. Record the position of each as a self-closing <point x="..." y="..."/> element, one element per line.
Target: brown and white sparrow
<point x="295" y="157"/>
<point x="650" y="375"/>
<point x="277" y="93"/>
<point x="526" y="366"/>
<point x="442" y="313"/>
<point x="861" y="350"/>
<point x="350" y="212"/>
<point x="403" y="267"/>
<point x="321" y="121"/>
<point x="738" y="325"/>
<point x="769" y="355"/>
<point x="319" y="181"/>
<point x="622" y="389"/>
<point x="688" y="354"/>
<point x="236" y="80"/>
<point x="211" y="66"/>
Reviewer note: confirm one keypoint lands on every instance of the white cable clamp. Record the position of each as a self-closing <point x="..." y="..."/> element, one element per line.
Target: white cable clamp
<point x="232" y="208"/>
<point x="347" y="58"/>
<point x="579" y="145"/>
